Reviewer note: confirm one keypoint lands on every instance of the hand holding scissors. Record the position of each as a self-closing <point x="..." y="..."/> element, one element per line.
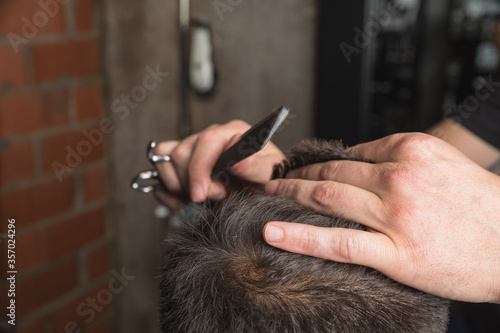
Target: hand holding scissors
<point x="192" y="165"/>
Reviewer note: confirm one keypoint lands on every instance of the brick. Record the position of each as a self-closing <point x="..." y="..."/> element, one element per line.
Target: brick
<point x="37" y="202"/>
<point x="40" y="289"/>
<point x="67" y="236"/>
<point x="20" y="114"/>
<point x="13" y="72"/>
<point x="84" y="60"/>
<point x="24" y="113"/>
<point x="29" y="250"/>
<point x="77" y="58"/>
<point x="89" y="101"/>
<point x="55" y="107"/>
<point x="72" y="149"/>
<point x="37" y="326"/>
<point x="98" y="263"/>
<point x="94" y="184"/>
<point x="84" y="15"/>
<point x="14" y="14"/>
<point x="71" y="312"/>
<point x="16" y="163"/>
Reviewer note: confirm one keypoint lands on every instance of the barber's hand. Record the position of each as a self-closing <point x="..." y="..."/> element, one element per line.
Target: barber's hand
<point x="433" y="216"/>
<point x="187" y="176"/>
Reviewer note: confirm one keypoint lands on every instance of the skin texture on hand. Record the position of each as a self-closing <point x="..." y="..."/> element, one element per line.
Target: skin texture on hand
<point x="187" y="176"/>
<point x="433" y="216"/>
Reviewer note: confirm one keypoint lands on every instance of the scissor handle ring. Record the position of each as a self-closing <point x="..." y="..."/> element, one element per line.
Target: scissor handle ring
<point x="154" y="158"/>
<point x="145" y="175"/>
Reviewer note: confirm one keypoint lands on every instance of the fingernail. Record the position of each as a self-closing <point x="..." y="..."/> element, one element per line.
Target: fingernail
<point x="197" y="192"/>
<point x="272" y="187"/>
<point x="274" y="234"/>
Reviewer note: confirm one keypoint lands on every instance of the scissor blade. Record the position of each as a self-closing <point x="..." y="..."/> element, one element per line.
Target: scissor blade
<point x="252" y="141"/>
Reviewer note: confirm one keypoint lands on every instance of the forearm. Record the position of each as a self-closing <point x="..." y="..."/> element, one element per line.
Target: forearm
<point x="468" y="143"/>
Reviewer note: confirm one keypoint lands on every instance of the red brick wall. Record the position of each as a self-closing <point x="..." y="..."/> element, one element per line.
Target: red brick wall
<point x="50" y="95"/>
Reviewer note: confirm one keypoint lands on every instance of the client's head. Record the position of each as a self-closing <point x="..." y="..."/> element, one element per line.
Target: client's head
<point x="219" y="275"/>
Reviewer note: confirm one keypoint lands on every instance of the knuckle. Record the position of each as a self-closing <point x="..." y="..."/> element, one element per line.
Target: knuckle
<point x="394" y="139"/>
<point x="237" y="123"/>
<point x="398" y="177"/>
<point x="306" y="240"/>
<point x="300" y="173"/>
<point x="180" y="154"/>
<point x="415" y="146"/>
<point x="323" y="194"/>
<point x="209" y="135"/>
<point x="212" y="127"/>
<point x="348" y="247"/>
<point x="328" y="171"/>
<point x="403" y="217"/>
<point x="392" y="176"/>
<point x="165" y="147"/>
<point x="288" y="189"/>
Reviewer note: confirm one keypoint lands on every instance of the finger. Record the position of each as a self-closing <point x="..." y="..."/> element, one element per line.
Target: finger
<point x="332" y="198"/>
<point x="180" y="157"/>
<point x="173" y="202"/>
<point x="165" y="147"/>
<point x="167" y="170"/>
<point x="216" y="191"/>
<point x="338" y="244"/>
<point x="209" y="146"/>
<point x="377" y="150"/>
<point x="259" y="167"/>
<point x="360" y="174"/>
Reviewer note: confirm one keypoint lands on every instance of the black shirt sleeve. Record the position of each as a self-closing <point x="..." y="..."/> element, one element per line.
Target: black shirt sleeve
<point x="484" y="119"/>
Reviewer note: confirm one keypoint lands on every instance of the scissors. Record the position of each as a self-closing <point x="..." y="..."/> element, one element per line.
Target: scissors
<point x="252" y="141"/>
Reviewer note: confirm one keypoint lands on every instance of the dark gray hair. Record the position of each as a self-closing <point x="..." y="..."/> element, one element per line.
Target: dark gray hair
<point x="219" y="275"/>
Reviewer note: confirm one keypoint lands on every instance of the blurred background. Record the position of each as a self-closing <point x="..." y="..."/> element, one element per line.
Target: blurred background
<point x="86" y="84"/>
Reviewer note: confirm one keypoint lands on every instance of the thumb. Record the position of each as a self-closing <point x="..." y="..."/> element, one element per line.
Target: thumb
<point x="337" y="244"/>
